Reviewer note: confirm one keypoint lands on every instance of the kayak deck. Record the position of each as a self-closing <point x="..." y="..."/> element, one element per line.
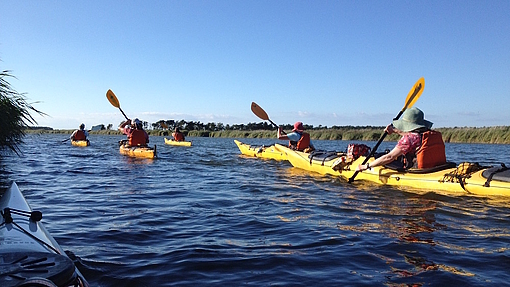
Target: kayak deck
<point x="447" y="179"/>
<point x="27" y="250"/>
<point x="141" y="152"/>
<point x="177" y="143"/>
<point x="266" y="152"/>
<point x="80" y="143"/>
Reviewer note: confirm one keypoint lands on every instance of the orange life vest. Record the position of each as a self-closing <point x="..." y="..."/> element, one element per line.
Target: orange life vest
<point x="79" y="136"/>
<point x="432" y="151"/>
<point x="137" y="138"/>
<point x="303" y="143"/>
<point x="178" y="137"/>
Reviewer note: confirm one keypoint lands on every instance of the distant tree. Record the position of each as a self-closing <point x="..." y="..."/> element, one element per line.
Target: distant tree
<point x="145" y="125"/>
<point x="160" y="125"/>
<point x="170" y="124"/>
<point x="14" y="115"/>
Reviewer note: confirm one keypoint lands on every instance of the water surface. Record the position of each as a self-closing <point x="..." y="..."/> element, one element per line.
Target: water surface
<point x="207" y="216"/>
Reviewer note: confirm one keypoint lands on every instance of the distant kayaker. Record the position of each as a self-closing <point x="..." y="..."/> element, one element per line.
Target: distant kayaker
<point x="80" y="134"/>
<point x="178" y="136"/>
<point x="136" y="136"/>
<point x="420" y="146"/>
<point x="298" y="138"/>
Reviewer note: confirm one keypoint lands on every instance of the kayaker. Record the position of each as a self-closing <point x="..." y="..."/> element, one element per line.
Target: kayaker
<point x="136" y="135"/>
<point x="80" y="134"/>
<point x="418" y="144"/>
<point x="178" y="136"/>
<point x="298" y="138"/>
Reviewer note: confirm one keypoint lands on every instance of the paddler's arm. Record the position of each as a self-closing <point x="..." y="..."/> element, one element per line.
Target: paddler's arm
<point x="123" y="125"/>
<point x="280" y="136"/>
<point x="387" y="158"/>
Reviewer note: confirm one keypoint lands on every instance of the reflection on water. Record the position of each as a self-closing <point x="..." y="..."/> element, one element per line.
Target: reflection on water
<point x="205" y="215"/>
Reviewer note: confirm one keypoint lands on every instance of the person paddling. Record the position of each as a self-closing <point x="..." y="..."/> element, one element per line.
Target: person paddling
<point x="298" y="138"/>
<point x="178" y="136"/>
<point x="136" y="135"/>
<point x="80" y="134"/>
<point x="421" y="146"/>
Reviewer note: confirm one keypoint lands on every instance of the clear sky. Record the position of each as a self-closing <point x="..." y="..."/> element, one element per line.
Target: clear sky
<point x="321" y="62"/>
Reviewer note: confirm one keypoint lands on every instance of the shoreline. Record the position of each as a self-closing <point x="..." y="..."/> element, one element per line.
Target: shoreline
<point x="487" y="135"/>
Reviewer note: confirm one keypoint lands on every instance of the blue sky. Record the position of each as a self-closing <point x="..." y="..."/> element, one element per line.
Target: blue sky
<point x="321" y="62"/>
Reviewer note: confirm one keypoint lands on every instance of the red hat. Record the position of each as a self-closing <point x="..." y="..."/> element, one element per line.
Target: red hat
<point x="298" y="127"/>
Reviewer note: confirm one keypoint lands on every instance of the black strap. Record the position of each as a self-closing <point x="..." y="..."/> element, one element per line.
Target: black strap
<point x="489" y="178"/>
<point x="34" y="216"/>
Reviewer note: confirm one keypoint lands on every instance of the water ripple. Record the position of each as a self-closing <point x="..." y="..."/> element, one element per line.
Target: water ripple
<point x="207" y="216"/>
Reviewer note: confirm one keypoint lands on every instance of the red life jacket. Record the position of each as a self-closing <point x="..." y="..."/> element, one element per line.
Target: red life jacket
<point x="303" y="143"/>
<point x="178" y="137"/>
<point x="432" y="151"/>
<point x="79" y="136"/>
<point x="137" y="138"/>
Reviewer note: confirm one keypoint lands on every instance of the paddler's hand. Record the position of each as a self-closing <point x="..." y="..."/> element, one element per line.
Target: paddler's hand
<point x="389" y="129"/>
<point x="363" y="167"/>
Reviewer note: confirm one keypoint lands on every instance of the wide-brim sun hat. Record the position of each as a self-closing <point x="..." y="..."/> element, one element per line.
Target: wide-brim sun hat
<point x="298" y="127"/>
<point x="411" y="120"/>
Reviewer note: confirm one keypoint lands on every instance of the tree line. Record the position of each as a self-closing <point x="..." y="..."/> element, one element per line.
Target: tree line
<point x="215" y="127"/>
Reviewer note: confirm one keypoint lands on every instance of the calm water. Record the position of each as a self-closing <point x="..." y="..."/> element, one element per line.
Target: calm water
<point x="207" y="216"/>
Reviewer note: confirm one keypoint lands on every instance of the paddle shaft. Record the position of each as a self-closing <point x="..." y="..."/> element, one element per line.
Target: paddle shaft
<point x="411" y="99"/>
<point x="123" y="113"/>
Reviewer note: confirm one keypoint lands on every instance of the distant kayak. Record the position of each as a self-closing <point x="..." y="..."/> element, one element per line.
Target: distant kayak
<point x="29" y="255"/>
<point x="177" y="143"/>
<point x="267" y="152"/>
<point x="142" y="152"/>
<point x="81" y="143"/>
<point x="466" y="178"/>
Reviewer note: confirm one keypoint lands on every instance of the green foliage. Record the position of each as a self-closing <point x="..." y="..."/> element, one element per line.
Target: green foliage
<point x="14" y="115"/>
<point x="495" y="135"/>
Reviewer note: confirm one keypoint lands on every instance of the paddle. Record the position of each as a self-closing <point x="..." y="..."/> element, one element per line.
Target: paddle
<point x="66" y="140"/>
<point x="259" y="112"/>
<point x="114" y="101"/>
<point x="412" y="97"/>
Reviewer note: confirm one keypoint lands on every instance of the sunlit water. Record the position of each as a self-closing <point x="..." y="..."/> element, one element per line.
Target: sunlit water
<point x="207" y="216"/>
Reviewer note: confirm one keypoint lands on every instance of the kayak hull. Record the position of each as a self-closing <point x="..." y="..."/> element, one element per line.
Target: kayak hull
<point x="265" y="152"/>
<point x="26" y="256"/>
<point x="177" y="143"/>
<point x="437" y="181"/>
<point x="80" y="143"/>
<point x="140" y="152"/>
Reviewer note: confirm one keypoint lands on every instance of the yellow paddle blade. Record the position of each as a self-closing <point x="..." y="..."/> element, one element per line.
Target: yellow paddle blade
<point x="259" y="112"/>
<point x="113" y="99"/>
<point x="414" y="93"/>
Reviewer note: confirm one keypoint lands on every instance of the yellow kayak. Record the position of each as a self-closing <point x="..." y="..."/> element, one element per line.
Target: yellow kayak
<point x="142" y="152"/>
<point x="267" y="152"/>
<point x="177" y="143"/>
<point x="466" y="178"/>
<point x="80" y="143"/>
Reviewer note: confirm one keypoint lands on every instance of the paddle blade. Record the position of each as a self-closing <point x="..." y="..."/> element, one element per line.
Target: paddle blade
<point x="112" y="99"/>
<point x="414" y="93"/>
<point x="259" y="112"/>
